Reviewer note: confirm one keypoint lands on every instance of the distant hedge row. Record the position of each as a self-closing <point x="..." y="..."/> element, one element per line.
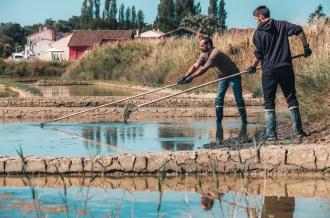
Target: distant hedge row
<point x="31" y="68"/>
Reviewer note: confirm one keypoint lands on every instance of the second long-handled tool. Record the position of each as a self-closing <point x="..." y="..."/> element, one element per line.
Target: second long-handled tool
<point x="130" y="108"/>
<point x="108" y="104"/>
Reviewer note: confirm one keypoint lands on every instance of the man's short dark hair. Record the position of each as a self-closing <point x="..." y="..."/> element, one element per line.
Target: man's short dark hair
<point x="262" y="10"/>
<point x="208" y="41"/>
<point x="206" y="203"/>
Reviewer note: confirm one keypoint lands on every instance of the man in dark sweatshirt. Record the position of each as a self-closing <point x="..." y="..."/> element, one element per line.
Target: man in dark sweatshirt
<point x="272" y="49"/>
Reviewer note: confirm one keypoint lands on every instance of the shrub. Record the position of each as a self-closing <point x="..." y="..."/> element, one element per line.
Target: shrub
<point x="33" y="68"/>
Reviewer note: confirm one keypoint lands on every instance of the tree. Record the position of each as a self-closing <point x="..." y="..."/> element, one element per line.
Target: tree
<point x="165" y="19"/>
<point x="197" y="8"/>
<point x="222" y="17"/>
<point x="213" y="13"/>
<point x="113" y="14"/>
<point x="74" y="23"/>
<point x="90" y="9"/>
<point x="140" y="20"/>
<point x="213" y="8"/>
<point x="121" y="18"/>
<point x="184" y="8"/>
<point x="62" y="26"/>
<point x="50" y="23"/>
<point x="12" y="38"/>
<point x="35" y="28"/>
<point x="106" y="11"/>
<point x="317" y="15"/>
<point x="200" y="23"/>
<point x="97" y="5"/>
<point x="86" y="14"/>
<point x="6" y="46"/>
<point x="133" y="18"/>
<point x="128" y="18"/>
<point x="14" y="32"/>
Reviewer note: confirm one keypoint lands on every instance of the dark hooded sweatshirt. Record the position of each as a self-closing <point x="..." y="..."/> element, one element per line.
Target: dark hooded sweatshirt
<point x="271" y="40"/>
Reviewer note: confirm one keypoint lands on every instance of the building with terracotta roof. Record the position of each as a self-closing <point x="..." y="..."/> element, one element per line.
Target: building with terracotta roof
<point x="83" y="40"/>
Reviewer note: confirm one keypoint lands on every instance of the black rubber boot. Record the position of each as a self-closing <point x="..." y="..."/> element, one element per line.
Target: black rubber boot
<point x="219" y="114"/>
<point x="242" y="133"/>
<point x="219" y="134"/>
<point x="270" y="126"/>
<point x="297" y="123"/>
<point x="242" y="114"/>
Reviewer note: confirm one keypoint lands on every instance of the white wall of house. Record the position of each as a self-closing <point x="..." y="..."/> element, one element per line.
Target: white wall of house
<point x="40" y="50"/>
<point x="38" y="43"/>
<point x="62" y="44"/>
<point x="151" y="34"/>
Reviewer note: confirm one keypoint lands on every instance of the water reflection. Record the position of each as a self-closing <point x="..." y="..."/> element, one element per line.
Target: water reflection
<point x="175" y="134"/>
<point x="278" y="207"/>
<point x="82" y="90"/>
<point x="79" y="139"/>
<point x="171" y="197"/>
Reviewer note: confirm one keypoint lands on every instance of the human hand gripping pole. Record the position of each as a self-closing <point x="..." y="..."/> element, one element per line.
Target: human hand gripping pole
<point x="108" y="104"/>
<point x="130" y="108"/>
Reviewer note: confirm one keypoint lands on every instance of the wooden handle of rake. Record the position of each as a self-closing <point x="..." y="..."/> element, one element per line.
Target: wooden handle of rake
<point x="202" y="85"/>
<point x="111" y="103"/>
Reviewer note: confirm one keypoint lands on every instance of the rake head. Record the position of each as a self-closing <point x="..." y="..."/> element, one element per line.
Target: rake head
<point x="128" y="111"/>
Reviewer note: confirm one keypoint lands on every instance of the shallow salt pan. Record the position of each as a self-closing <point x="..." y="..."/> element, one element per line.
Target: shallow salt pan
<point x="78" y="139"/>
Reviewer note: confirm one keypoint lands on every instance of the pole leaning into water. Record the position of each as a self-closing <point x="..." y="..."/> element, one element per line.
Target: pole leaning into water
<point x="108" y="104"/>
<point x="130" y="107"/>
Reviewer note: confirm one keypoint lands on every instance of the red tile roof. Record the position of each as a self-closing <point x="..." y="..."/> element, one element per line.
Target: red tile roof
<point x="92" y="37"/>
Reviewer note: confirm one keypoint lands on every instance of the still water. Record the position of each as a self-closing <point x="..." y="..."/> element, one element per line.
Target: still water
<point x="83" y="90"/>
<point x="79" y="139"/>
<point x="167" y="197"/>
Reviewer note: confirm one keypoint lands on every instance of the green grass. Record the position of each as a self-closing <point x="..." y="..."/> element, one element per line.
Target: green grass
<point x="62" y="82"/>
<point x="11" y="83"/>
<point x="313" y="84"/>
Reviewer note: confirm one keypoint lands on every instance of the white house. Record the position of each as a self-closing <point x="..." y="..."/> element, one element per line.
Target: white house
<point x="59" y="50"/>
<point x="150" y="34"/>
<point x="38" y="44"/>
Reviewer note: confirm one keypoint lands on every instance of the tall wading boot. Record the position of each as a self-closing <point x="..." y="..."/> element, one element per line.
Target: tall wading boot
<point x="270" y="126"/>
<point x="219" y="113"/>
<point x="242" y="114"/>
<point x="219" y="134"/>
<point x="242" y="133"/>
<point x="296" y="122"/>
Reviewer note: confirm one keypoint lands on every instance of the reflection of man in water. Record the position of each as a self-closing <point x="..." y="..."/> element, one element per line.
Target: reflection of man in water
<point x="242" y="136"/>
<point x="278" y="207"/>
<point x="207" y="201"/>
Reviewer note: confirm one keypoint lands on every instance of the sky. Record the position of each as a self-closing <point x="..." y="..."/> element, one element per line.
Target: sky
<point x="28" y="12"/>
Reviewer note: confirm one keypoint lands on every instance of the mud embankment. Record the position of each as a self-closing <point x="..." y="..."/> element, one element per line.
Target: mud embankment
<point x="273" y="159"/>
<point x="185" y="106"/>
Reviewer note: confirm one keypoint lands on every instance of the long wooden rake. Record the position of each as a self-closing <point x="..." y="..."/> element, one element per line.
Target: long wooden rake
<point x="108" y="104"/>
<point x="130" y="108"/>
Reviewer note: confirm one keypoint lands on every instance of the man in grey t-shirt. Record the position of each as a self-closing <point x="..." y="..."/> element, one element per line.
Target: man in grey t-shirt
<point x="212" y="57"/>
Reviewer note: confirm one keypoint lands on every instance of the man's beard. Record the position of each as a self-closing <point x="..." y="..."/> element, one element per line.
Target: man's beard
<point x="205" y="50"/>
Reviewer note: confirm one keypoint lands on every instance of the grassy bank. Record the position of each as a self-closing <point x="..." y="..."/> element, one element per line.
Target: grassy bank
<point x="35" y="68"/>
<point x="158" y="63"/>
<point x="10" y="83"/>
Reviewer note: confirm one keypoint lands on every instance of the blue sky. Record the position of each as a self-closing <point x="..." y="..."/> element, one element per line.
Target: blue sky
<point x="27" y="12"/>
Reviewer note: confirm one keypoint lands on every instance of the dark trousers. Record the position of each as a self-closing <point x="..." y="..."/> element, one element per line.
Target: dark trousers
<point x="283" y="76"/>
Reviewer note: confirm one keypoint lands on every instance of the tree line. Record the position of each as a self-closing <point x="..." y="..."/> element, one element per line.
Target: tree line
<point x="175" y="13"/>
<point x="171" y="14"/>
